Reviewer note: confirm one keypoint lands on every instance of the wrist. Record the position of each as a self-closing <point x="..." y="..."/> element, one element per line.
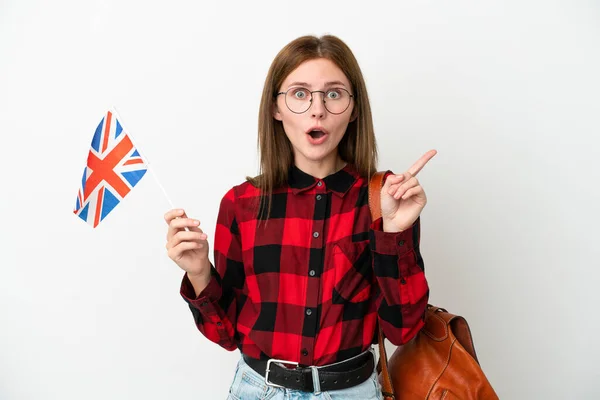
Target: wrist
<point x="390" y="227"/>
<point x="200" y="280"/>
<point x="199" y="275"/>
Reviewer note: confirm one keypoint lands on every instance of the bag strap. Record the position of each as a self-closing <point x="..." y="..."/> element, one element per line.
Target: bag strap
<point x="375" y="185"/>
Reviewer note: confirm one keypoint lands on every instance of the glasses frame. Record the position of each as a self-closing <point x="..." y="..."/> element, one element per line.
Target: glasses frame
<point x="312" y="97"/>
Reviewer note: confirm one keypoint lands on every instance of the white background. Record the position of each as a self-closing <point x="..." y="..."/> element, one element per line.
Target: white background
<point x="508" y="92"/>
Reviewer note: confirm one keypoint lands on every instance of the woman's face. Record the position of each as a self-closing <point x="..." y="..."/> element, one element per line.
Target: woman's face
<point x="316" y="133"/>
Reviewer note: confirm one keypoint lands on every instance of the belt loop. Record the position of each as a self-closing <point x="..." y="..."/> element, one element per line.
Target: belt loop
<point x="316" y="381"/>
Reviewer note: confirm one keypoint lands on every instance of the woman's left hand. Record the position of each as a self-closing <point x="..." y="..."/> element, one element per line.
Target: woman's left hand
<point x="403" y="198"/>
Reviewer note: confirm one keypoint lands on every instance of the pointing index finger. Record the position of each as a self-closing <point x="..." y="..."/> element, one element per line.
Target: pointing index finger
<point x="418" y="166"/>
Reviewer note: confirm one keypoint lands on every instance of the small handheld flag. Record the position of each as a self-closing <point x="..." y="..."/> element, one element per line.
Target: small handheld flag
<point x="114" y="167"/>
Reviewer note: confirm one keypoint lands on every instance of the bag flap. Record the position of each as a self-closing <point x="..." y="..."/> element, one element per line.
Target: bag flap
<point x="439" y="323"/>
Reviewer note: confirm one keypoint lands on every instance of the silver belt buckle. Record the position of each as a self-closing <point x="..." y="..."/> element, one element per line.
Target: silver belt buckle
<point x="269" y="362"/>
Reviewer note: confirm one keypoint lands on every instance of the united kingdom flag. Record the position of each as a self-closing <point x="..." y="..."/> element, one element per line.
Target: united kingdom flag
<point x="114" y="167"/>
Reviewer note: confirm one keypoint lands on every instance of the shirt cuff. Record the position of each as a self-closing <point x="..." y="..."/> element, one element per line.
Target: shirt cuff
<point x="210" y="294"/>
<point x="391" y="243"/>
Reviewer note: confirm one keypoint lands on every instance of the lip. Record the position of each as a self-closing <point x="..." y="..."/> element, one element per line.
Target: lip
<point x="319" y="141"/>
<point x="317" y="128"/>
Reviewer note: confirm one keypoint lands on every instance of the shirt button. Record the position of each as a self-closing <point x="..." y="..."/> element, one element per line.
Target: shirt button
<point x="318" y="197"/>
<point x="304" y="352"/>
<point x="312" y="272"/>
<point x="204" y="303"/>
<point x="401" y="243"/>
<point x="403" y="281"/>
<point x="309" y="312"/>
<point x="316" y="234"/>
<point x="319" y="183"/>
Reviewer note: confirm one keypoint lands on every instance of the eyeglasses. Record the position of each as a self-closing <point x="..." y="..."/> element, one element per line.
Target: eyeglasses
<point x="299" y="99"/>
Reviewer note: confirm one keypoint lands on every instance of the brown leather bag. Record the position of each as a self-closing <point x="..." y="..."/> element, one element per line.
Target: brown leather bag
<point x="440" y="361"/>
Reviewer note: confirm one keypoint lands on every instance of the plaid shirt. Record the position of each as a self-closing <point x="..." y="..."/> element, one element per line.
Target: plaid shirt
<point x="308" y="287"/>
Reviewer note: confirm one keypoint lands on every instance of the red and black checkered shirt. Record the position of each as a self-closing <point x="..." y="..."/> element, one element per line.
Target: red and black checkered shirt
<point x="309" y="285"/>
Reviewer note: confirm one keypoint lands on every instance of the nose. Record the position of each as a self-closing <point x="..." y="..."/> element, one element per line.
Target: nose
<point x="317" y="108"/>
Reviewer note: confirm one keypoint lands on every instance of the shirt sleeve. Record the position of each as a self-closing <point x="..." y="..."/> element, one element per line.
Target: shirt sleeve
<point x="215" y="308"/>
<point x="399" y="271"/>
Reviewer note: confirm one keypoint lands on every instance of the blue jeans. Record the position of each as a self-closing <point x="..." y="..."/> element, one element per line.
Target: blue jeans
<point x="249" y="385"/>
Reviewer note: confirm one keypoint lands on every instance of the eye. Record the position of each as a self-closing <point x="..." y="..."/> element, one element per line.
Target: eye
<point x="334" y="94"/>
<point x="300" y="93"/>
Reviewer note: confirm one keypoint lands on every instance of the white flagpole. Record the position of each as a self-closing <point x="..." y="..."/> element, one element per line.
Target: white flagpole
<point x="114" y="111"/>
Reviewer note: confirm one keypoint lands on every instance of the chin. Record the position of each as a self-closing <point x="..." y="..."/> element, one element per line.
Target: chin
<point x="316" y="155"/>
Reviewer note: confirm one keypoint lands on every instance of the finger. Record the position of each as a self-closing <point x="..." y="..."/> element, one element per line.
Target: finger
<point x="176" y="252"/>
<point x="176" y="240"/>
<point x="182" y="223"/>
<point x="408" y="181"/>
<point x="418" y="166"/>
<point x="397" y="187"/>
<point x="393" y="179"/>
<point x="412" y="182"/>
<point x="190" y="223"/>
<point x="186" y="236"/>
<point x="176" y="214"/>
<point x="392" y="182"/>
<point x="413" y="192"/>
<point x="172" y="214"/>
<point x="169" y="218"/>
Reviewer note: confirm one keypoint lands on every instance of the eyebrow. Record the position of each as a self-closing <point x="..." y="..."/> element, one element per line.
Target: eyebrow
<point x="331" y="83"/>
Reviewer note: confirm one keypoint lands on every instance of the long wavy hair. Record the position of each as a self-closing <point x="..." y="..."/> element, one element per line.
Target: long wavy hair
<point x="358" y="145"/>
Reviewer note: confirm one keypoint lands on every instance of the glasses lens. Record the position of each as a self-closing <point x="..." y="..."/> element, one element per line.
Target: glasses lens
<point x="298" y="99"/>
<point x="337" y="100"/>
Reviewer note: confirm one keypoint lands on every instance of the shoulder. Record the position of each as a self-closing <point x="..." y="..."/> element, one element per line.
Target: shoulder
<point x="242" y="190"/>
<point x="240" y="198"/>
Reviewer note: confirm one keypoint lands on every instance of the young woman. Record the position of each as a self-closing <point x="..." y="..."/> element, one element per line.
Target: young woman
<point x="302" y="276"/>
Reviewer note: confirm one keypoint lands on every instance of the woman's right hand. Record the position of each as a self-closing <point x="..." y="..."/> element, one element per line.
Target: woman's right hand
<point x="189" y="249"/>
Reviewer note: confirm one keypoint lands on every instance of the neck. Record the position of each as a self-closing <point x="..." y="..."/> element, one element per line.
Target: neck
<point x="321" y="168"/>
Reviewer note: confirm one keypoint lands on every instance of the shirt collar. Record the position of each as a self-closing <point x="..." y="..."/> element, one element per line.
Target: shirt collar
<point x="339" y="182"/>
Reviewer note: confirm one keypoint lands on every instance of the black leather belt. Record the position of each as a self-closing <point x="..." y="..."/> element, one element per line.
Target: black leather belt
<point x="335" y="376"/>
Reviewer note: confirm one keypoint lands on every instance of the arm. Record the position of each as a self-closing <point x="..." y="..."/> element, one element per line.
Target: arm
<point x="214" y="307"/>
<point x="399" y="271"/>
<point x="397" y="262"/>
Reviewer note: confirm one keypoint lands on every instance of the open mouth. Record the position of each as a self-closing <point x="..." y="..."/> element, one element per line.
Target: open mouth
<point x="316" y="134"/>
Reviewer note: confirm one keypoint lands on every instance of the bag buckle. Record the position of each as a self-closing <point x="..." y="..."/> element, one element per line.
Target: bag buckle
<point x="273" y="360"/>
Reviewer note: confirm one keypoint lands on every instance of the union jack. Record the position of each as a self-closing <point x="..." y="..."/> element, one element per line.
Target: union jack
<point x="114" y="167"/>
